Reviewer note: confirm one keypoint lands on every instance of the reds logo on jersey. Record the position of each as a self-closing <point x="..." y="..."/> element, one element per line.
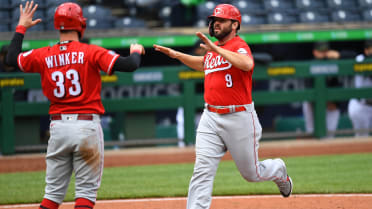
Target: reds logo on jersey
<point x="213" y="64"/>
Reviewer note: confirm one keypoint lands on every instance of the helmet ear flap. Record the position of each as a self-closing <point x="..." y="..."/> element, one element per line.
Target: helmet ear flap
<point x="211" y="26"/>
<point x="83" y="27"/>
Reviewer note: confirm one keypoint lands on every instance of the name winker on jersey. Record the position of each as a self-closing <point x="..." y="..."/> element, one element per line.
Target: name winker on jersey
<point x="64" y="59"/>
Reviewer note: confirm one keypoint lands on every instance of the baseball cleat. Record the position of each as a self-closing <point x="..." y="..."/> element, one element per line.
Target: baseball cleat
<point x="285" y="187"/>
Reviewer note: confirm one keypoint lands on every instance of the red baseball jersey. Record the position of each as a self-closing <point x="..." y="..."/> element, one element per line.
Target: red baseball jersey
<point x="225" y="84"/>
<point x="70" y="75"/>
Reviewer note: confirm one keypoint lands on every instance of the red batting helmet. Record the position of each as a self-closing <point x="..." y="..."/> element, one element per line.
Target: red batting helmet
<point x="69" y="16"/>
<point x="227" y="11"/>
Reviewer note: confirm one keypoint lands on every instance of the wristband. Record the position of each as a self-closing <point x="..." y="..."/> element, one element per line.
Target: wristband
<point x="136" y="51"/>
<point x="21" y="29"/>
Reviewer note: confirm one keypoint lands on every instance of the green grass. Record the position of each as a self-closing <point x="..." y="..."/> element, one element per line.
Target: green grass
<point x="319" y="174"/>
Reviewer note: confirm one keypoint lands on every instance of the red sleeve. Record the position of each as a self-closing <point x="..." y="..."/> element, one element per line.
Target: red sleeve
<point x="243" y="48"/>
<point x="29" y="61"/>
<point x="104" y="58"/>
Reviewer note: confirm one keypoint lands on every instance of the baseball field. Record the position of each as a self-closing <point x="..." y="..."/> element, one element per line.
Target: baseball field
<point x="327" y="174"/>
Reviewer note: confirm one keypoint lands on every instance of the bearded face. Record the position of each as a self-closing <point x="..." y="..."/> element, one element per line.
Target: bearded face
<point x="220" y="27"/>
<point x="222" y="30"/>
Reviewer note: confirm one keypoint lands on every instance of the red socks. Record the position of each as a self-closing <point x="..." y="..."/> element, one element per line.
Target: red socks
<point x="48" y="204"/>
<point x="82" y="203"/>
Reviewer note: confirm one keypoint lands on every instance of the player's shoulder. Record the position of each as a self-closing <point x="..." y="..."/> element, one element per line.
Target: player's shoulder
<point x="240" y="41"/>
<point x="241" y="46"/>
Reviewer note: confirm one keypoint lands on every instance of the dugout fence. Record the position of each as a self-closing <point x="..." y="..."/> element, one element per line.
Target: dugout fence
<point x="190" y="99"/>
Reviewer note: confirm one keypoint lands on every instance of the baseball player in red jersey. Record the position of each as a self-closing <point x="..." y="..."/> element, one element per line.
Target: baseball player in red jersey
<point x="229" y="121"/>
<point x="70" y="79"/>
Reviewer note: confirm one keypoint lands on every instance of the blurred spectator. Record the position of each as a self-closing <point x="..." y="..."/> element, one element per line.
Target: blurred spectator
<point x="360" y="110"/>
<point x="322" y="51"/>
<point x="3" y="66"/>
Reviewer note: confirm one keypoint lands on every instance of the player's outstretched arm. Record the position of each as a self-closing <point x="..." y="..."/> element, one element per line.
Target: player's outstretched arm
<point x="25" y="22"/>
<point x="240" y="61"/>
<point x="194" y="62"/>
<point x="132" y="62"/>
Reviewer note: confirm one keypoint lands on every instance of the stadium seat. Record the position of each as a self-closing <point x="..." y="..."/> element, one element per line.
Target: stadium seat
<point x="365" y="3"/>
<point x="16" y="3"/>
<point x="129" y="22"/>
<point x="344" y="16"/>
<point x="310" y="4"/>
<point x="281" y="18"/>
<point x="278" y="5"/>
<point x="131" y="6"/>
<point x="50" y="12"/>
<point x="49" y="25"/>
<point x="96" y="11"/>
<point x="4" y="16"/>
<point x="4" y="4"/>
<point x="341" y="4"/>
<point x="165" y="14"/>
<point x="99" y="23"/>
<point x="313" y="17"/>
<point x="55" y="3"/>
<point x="367" y="14"/>
<point x="4" y="27"/>
<point x="249" y="6"/>
<point x="205" y="9"/>
<point x="252" y="19"/>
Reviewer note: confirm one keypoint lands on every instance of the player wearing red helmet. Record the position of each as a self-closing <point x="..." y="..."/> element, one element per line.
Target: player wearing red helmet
<point x="224" y="11"/>
<point x="70" y="79"/>
<point x="229" y="121"/>
<point x="69" y="16"/>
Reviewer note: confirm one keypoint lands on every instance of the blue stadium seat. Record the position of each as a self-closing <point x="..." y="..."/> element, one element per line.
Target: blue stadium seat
<point x="367" y="14"/>
<point x="99" y="23"/>
<point x="205" y="9"/>
<point x="313" y="17"/>
<point x="4" y="27"/>
<point x="50" y="12"/>
<point x="16" y="3"/>
<point x="165" y="15"/>
<point x="278" y="5"/>
<point x="341" y="4"/>
<point x="4" y="4"/>
<point x="344" y="16"/>
<point x="252" y="19"/>
<point x="249" y="6"/>
<point x="97" y="11"/>
<point x="129" y="22"/>
<point x="281" y="18"/>
<point x="310" y="4"/>
<point x="4" y="16"/>
<point x="49" y="25"/>
<point x="365" y="3"/>
<point x="55" y="3"/>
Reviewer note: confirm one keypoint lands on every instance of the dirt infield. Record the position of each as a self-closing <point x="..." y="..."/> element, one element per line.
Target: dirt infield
<point x="340" y="201"/>
<point x="164" y="155"/>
